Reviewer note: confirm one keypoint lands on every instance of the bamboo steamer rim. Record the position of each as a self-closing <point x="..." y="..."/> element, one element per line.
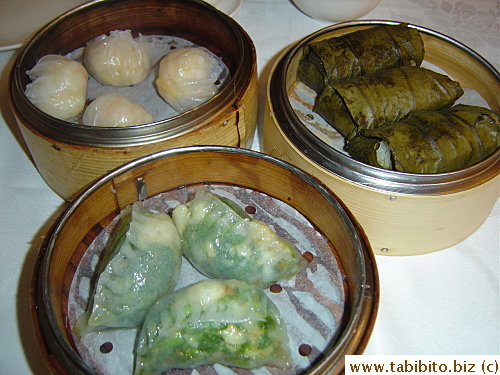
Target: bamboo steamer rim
<point x="83" y="135"/>
<point x="354" y="332"/>
<point x="360" y="173"/>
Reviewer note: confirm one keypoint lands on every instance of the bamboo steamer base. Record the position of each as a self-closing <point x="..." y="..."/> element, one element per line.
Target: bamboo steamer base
<point x="396" y="224"/>
<point x="404" y="221"/>
<point x="68" y="168"/>
<point x="69" y="156"/>
<point x="98" y="204"/>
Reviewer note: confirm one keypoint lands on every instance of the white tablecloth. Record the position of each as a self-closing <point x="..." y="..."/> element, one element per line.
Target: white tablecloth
<point x="445" y="302"/>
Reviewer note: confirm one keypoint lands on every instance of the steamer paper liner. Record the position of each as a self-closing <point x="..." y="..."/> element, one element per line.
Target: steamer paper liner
<point x="311" y="303"/>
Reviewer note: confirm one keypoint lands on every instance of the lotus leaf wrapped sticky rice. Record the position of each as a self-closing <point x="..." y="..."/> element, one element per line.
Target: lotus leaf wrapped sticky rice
<point x="371" y="101"/>
<point x="141" y="263"/>
<point x="228" y="322"/>
<point x="430" y="141"/>
<point x="362" y="52"/>
<point x="221" y="241"/>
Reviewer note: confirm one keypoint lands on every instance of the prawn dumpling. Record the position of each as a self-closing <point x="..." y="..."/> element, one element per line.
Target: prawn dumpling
<point x="118" y="59"/>
<point x="141" y="264"/>
<point x="228" y="322"/>
<point x="112" y="110"/>
<point x="221" y="241"/>
<point x="58" y="87"/>
<point x="187" y="77"/>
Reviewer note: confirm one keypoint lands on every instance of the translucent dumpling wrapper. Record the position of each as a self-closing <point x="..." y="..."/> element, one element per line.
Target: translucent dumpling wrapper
<point x="187" y="77"/>
<point x="228" y="322"/>
<point x="371" y="101"/>
<point x="221" y="241"/>
<point x="112" y="110"/>
<point x="58" y="87"/>
<point x="430" y="141"/>
<point x="141" y="263"/>
<point x="118" y="59"/>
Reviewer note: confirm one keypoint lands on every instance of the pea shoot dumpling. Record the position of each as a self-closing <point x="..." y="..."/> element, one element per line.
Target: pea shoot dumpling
<point x="228" y="322"/>
<point x="187" y="77"/>
<point x="141" y="264"/>
<point x="221" y="241"/>
<point x="118" y="59"/>
<point x="58" y="87"/>
<point x="113" y="110"/>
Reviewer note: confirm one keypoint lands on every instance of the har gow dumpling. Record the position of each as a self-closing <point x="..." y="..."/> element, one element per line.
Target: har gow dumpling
<point x="58" y="87"/>
<point x="118" y="59"/>
<point x="141" y="264"/>
<point x="187" y="77"/>
<point x="112" y="110"/>
<point x="228" y="322"/>
<point x="221" y="241"/>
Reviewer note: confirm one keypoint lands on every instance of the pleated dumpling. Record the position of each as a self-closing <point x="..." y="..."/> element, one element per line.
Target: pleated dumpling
<point x="118" y="59"/>
<point x="221" y="241"/>
<point x="141" y="264"/>
<point x="227" y="322"/>
<point x="187" y="77"/>
<point x="58" y="87"/>
<point x="112" y="110"/>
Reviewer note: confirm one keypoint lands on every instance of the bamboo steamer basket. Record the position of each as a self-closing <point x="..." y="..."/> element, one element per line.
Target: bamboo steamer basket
<point x="94" y="207"/>
<point x="70" y="156"/>
<point x="401" y="213"/>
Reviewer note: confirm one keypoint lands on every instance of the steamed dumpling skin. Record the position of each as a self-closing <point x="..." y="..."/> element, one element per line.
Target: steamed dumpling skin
<point x="187" y="77"/>
<point x="221" y="241"/>
<point x="228" y="322"/>
<point x="118" y="59"/>
<point x="112" y="110"/>
<point x="58" y="87"/>
<point x="141" y="264"/>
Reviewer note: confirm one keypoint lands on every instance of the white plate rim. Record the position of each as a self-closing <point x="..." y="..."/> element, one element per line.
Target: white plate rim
<point x="230" y="7"/>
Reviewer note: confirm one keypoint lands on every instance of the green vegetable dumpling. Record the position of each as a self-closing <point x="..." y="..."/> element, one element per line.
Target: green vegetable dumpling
<point x="221" y="241"/>
<point x="229" y="322"/>
<point x="141" y="264"/>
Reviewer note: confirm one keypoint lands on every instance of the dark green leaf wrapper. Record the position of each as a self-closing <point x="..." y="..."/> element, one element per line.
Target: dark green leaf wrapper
<point x="362" y="52"/>
<point x="430" y="141"/>
<point x="368" y="102"/>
